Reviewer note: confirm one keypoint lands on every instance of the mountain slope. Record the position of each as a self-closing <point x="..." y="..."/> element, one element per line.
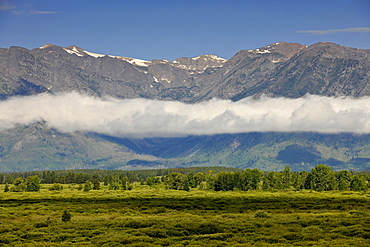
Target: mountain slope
<point x="280" y="69"/>
<point x="56" y="69"/>
<point x="323" y="69"/>
<point x="37" y="147"/>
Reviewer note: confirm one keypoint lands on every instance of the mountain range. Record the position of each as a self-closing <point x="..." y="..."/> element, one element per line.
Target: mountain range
<point x="281" y="69"/>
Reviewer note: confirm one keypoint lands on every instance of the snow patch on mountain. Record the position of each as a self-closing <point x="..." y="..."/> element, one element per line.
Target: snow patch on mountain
<point x="135" y="61"/>
<point x="193" y="64"/>
<point x="73" y="52"/>
<point x="92" y="54"/>
<point x="199" y="63"/>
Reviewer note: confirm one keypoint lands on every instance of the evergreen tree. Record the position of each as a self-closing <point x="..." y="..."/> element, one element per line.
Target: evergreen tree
<point x="96" y="184"/>
<point x="191" y="179"/>
<point x="344" y="180"/>
<point x="6" y="189"/>
<point x="106" y="180"/>
<point x="66" y="216"/>
<point x="286" y="178"/>
<point x="125" y="183"/>
<point x="185" y="185"/>
<point x="87" y="186"/>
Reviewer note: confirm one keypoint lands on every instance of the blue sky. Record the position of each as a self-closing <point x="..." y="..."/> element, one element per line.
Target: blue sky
<point x="168" y="29"/>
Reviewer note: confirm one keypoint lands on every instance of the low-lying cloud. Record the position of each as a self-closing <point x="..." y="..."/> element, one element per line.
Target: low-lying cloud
<point x="140" y="118"/>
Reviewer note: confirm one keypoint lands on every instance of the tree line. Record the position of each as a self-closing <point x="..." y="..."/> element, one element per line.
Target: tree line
<point x="80" y="176"/>
<point x="320" y="178"/>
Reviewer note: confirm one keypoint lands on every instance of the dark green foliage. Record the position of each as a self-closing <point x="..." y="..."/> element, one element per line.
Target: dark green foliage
<point x="175" y="181"/>
<point x="191" y="180"/>
<point x="153" y="181"/>
<point x="96" y="184"/>
<point x="114" y="185"/>
<point x="6" y="188"/>
<point x="66" y="216"/>
<point x="118" y="183"/>
<point x="56" y="186"/>
<point x="226" y="181"/>
<point x="32" y="183"/>
<point x="321" y="178"/>
<point x="199" y="177"/>
<point x="251" y="179"/>
<point x="106" y="180"/>
<point x="344" y="180"/>
<point x="185" y="185"/>
<point x="358" y="183"/>
<point x="126" y="185"/>
<point x="87" y="186"/>
<point x="286" y="179"/>
<point x="271" y="180"/>
<point x="19" y="185"/>
<point x="299" y="179"/>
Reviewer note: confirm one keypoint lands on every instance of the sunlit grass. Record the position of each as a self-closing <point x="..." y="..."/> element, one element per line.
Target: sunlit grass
<point x="148" y="216"/>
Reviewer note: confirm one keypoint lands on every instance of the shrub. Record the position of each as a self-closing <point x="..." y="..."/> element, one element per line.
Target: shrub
<point x="56" y="187"/>
<point x="261" y="214"/>
<point x="87" y="186"/>
<point x="33" y="183"/>
<point x="19" y="185"/>
<point x="66" y="216"/>
<point x="114" y="186"/>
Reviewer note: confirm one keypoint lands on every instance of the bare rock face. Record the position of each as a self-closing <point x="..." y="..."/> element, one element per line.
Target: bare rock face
<point x="279" y="69"/>
<point x="322" y="69"/>
<point x="279" y="52"/>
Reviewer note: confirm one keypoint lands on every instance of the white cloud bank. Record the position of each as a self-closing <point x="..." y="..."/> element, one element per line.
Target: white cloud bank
<point x="151" y="118"/>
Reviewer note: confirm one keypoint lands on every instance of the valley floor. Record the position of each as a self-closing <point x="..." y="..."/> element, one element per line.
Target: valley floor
<point x="153" y="216"/>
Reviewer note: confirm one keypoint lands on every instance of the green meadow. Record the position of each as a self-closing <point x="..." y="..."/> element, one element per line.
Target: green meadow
<point x="155" y="216"/>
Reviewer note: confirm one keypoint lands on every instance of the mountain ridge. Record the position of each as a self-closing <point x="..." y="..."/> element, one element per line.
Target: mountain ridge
<point x="279" y="70"/>
<point x="268" y="70"/>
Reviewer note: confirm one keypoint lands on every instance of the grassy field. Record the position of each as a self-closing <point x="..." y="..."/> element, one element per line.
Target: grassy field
<point x="148" y="216"/>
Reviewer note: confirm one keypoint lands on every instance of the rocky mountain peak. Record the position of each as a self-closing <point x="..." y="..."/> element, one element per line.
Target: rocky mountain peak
<point x="46" y="46"/>
<point x="200" y="63"/>
<point x="75" y="50"/>
<point x="279" y="51"/>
